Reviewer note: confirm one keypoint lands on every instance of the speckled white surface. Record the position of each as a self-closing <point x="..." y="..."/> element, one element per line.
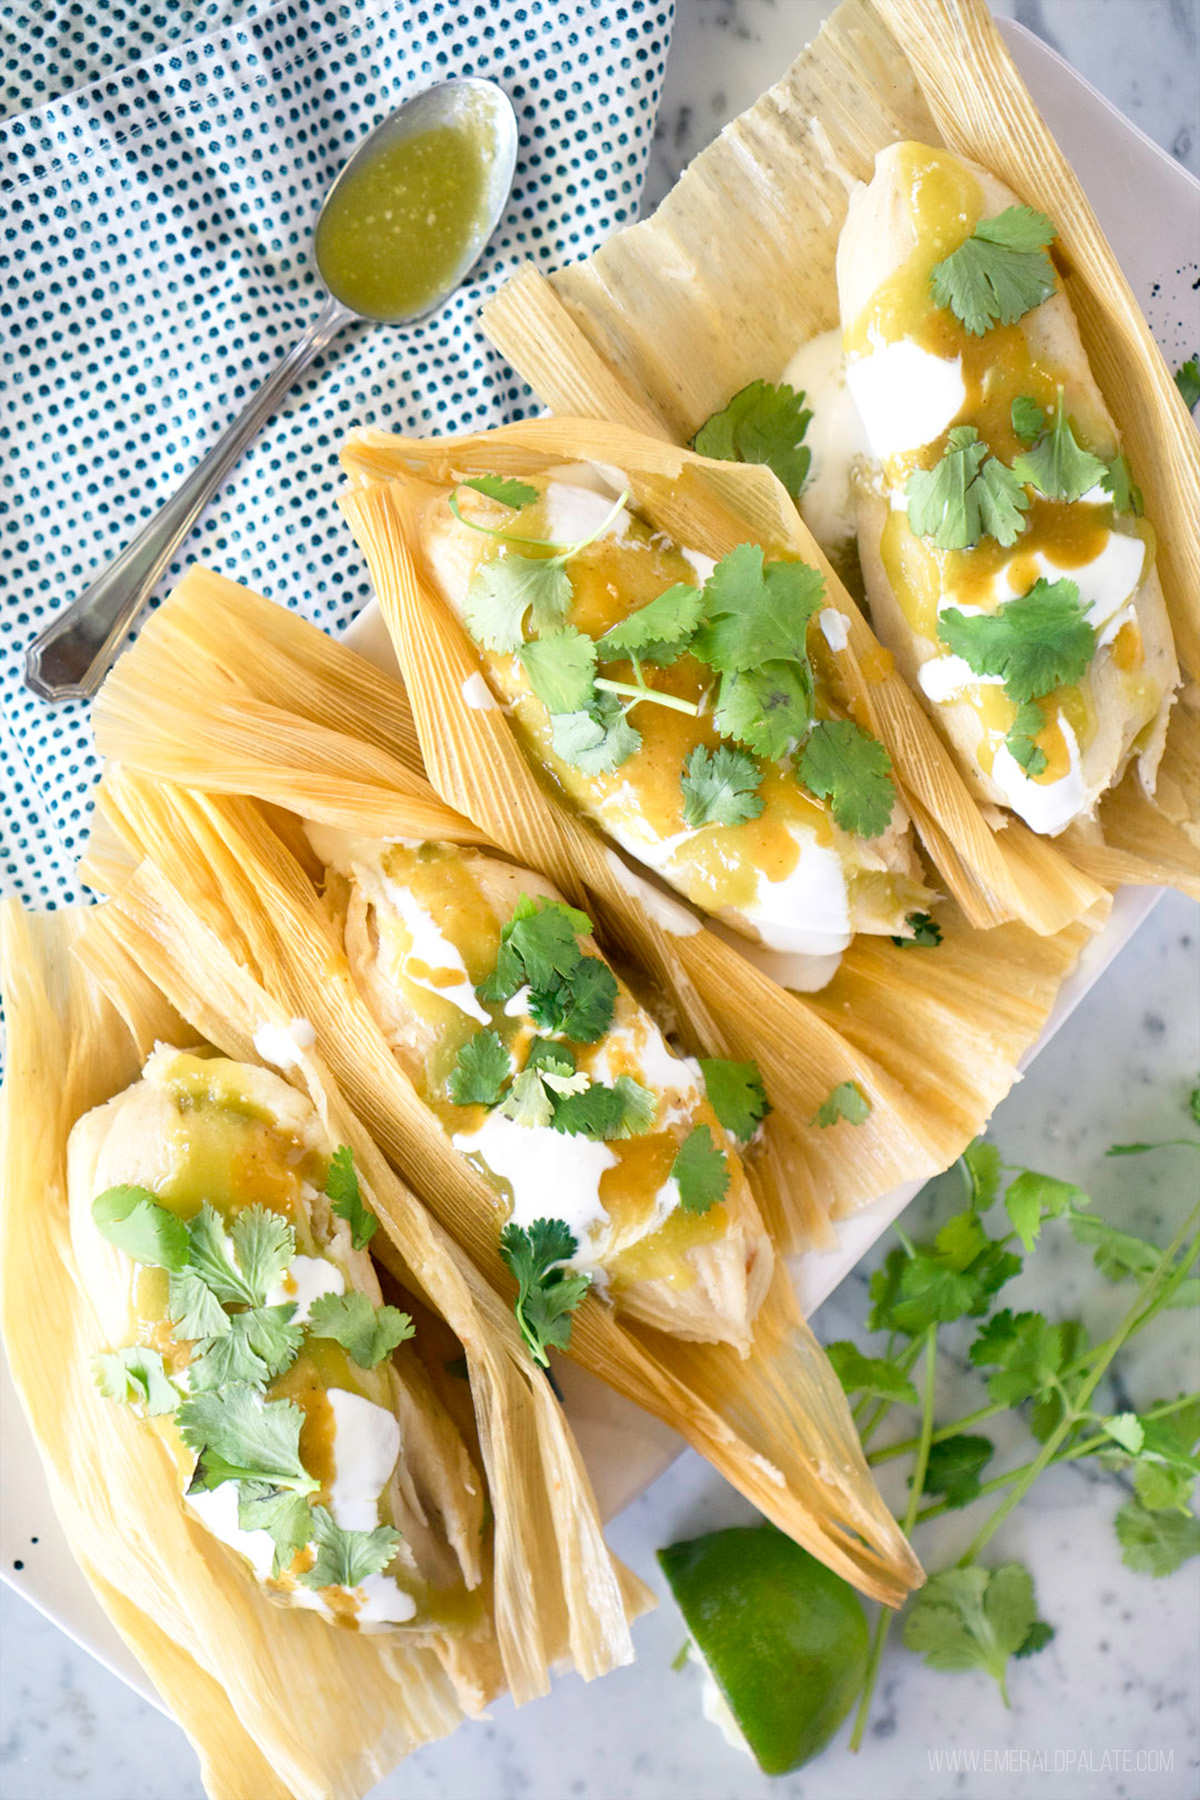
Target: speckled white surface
<point x="1112" y="1709"/>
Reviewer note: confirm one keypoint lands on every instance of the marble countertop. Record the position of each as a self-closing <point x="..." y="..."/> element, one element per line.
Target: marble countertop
<point x="1112" y="1708"/>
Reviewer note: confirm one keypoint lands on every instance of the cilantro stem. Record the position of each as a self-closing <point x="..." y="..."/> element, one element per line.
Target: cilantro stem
<point x="564" y="552"/>
<point x="883" y="1623"/>
<point x="1135" y="1316"/>
<point x="1085" y="1447"/>
<point x="646" y="693"/>
<point x="982" y="1413"/>
<point x="904" y="1363"/>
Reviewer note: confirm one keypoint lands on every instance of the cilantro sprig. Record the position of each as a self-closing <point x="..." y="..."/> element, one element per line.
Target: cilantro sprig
<point x="763" y="423"/>
<point x="345" y="1198"/>
<point x="547" y="1293"/>
<point x="1057" y="465"/>
<point x="506" y="587"/>
<point x="968" y="494"/>
<point x="1036" y="643"/>
<point x="1187" y="380"/>
<point x="971" y="1615"/>
<point x="700" y="1171"/>
<point x="1000" y="273"/>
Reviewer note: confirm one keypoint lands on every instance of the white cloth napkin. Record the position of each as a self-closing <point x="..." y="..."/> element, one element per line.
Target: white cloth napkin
<point x="154" y="264"/>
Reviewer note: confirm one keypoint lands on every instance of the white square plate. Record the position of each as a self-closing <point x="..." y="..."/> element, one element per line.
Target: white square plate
<point x="1147" y="205"/>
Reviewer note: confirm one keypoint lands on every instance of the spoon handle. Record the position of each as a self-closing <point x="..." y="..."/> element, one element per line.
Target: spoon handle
<point x="71" y="657"/>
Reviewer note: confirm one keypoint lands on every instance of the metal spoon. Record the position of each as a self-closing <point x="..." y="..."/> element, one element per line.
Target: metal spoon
<point x="71" y="657"/>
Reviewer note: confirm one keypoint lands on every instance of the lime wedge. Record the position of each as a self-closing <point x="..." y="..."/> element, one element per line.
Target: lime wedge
<point x="783" y="1637"/>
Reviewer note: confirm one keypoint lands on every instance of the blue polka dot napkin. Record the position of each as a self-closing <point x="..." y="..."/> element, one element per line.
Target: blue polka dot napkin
<point x="154" y="264"/>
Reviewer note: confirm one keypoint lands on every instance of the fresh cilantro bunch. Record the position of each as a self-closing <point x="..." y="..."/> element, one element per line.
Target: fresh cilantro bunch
<point x="1000" y="273"/>
<point x="219" y="1283"/>
<point x="972" y="1616"/>
<point x="762" y="424"/>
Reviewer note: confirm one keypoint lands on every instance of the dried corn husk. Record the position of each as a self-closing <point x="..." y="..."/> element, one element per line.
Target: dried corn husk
<point x="722" y="1003"/>
<point x="565" y="1598"/>
<point x="735" y="270"/>
<point x="240" y="1672"/>
<point x="776" y="1424"/>
<point x="475" y="762"/>
<point x="275" y="1701"/>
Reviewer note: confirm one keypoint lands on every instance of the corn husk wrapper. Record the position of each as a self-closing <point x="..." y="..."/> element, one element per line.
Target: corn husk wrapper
<point x="776" y="1424"/>
<point x="714" y="506"/>
<point x="735" y="270"/>
<point x="803" y="1048"/>
<point x="275" y="1701"/>
<point x="960" y="1038"/>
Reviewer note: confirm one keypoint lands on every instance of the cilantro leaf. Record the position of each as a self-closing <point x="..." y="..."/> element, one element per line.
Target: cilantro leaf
<point x="842" y="764"/>
<point x="973" y="1618"/>
<point x="983" y="1167"/>
<point x="211" y="1261"/>
<point x="502" y="591"/>
<point x="1036" y="643"/>
<point x="870" y="1375"/>
<point x="1056" y="466"/>
<point x="193" y="1308"/>
<point x="597" y="739"/>
<point x="1118" y="481"/>
<point x="766" y="709"/>
<point x="368" y="1332"/>
<point x="136" y="1375"/>
<point x="1021" y="740"/>
<point x="658" y="632"/>
<point x="627" y="1109"/>
<point x="1027" y="1352"/>
<point x="955" y="1466"/>
<point x="736" y="1094"/>
<point x="542" y="934"/>
<point x="846" y="1101"/>
<point x="953" y="1278"/>
<point x="561" y="669"/>
<point x="257" y="1346"/>
<point x="480" y="1070"/>
<point x="547" y="1294"/>
<point x="285" y="1515"/>
<point x="700" y="1171"/>
<point x="761" y="424"/>
<point x="966" y="495"/>
<point x="239" y="1436"/>
<point x="1117" y="1254"/>
<point x="346" y="1558"/>
<point x="720" y="787"/>
<point x="581" y="1006"/>
<point x="1156" y="1543"/>
<point x="345" y="1198"/>
<point x="528" y="1101"/>
<point x="552" y="1059"/>
<point x="757" y="611"/>
<point x="1000" y="273"/>
<point x="132" y="1219"/>
<point x="1028" y="419"/>
<point x="1187" y="380"/>
<point x="926" y="932"/>
<point x="265" y="1244"/>
<point x="1033" y="1198"/>
<point x="504" y="489"/>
